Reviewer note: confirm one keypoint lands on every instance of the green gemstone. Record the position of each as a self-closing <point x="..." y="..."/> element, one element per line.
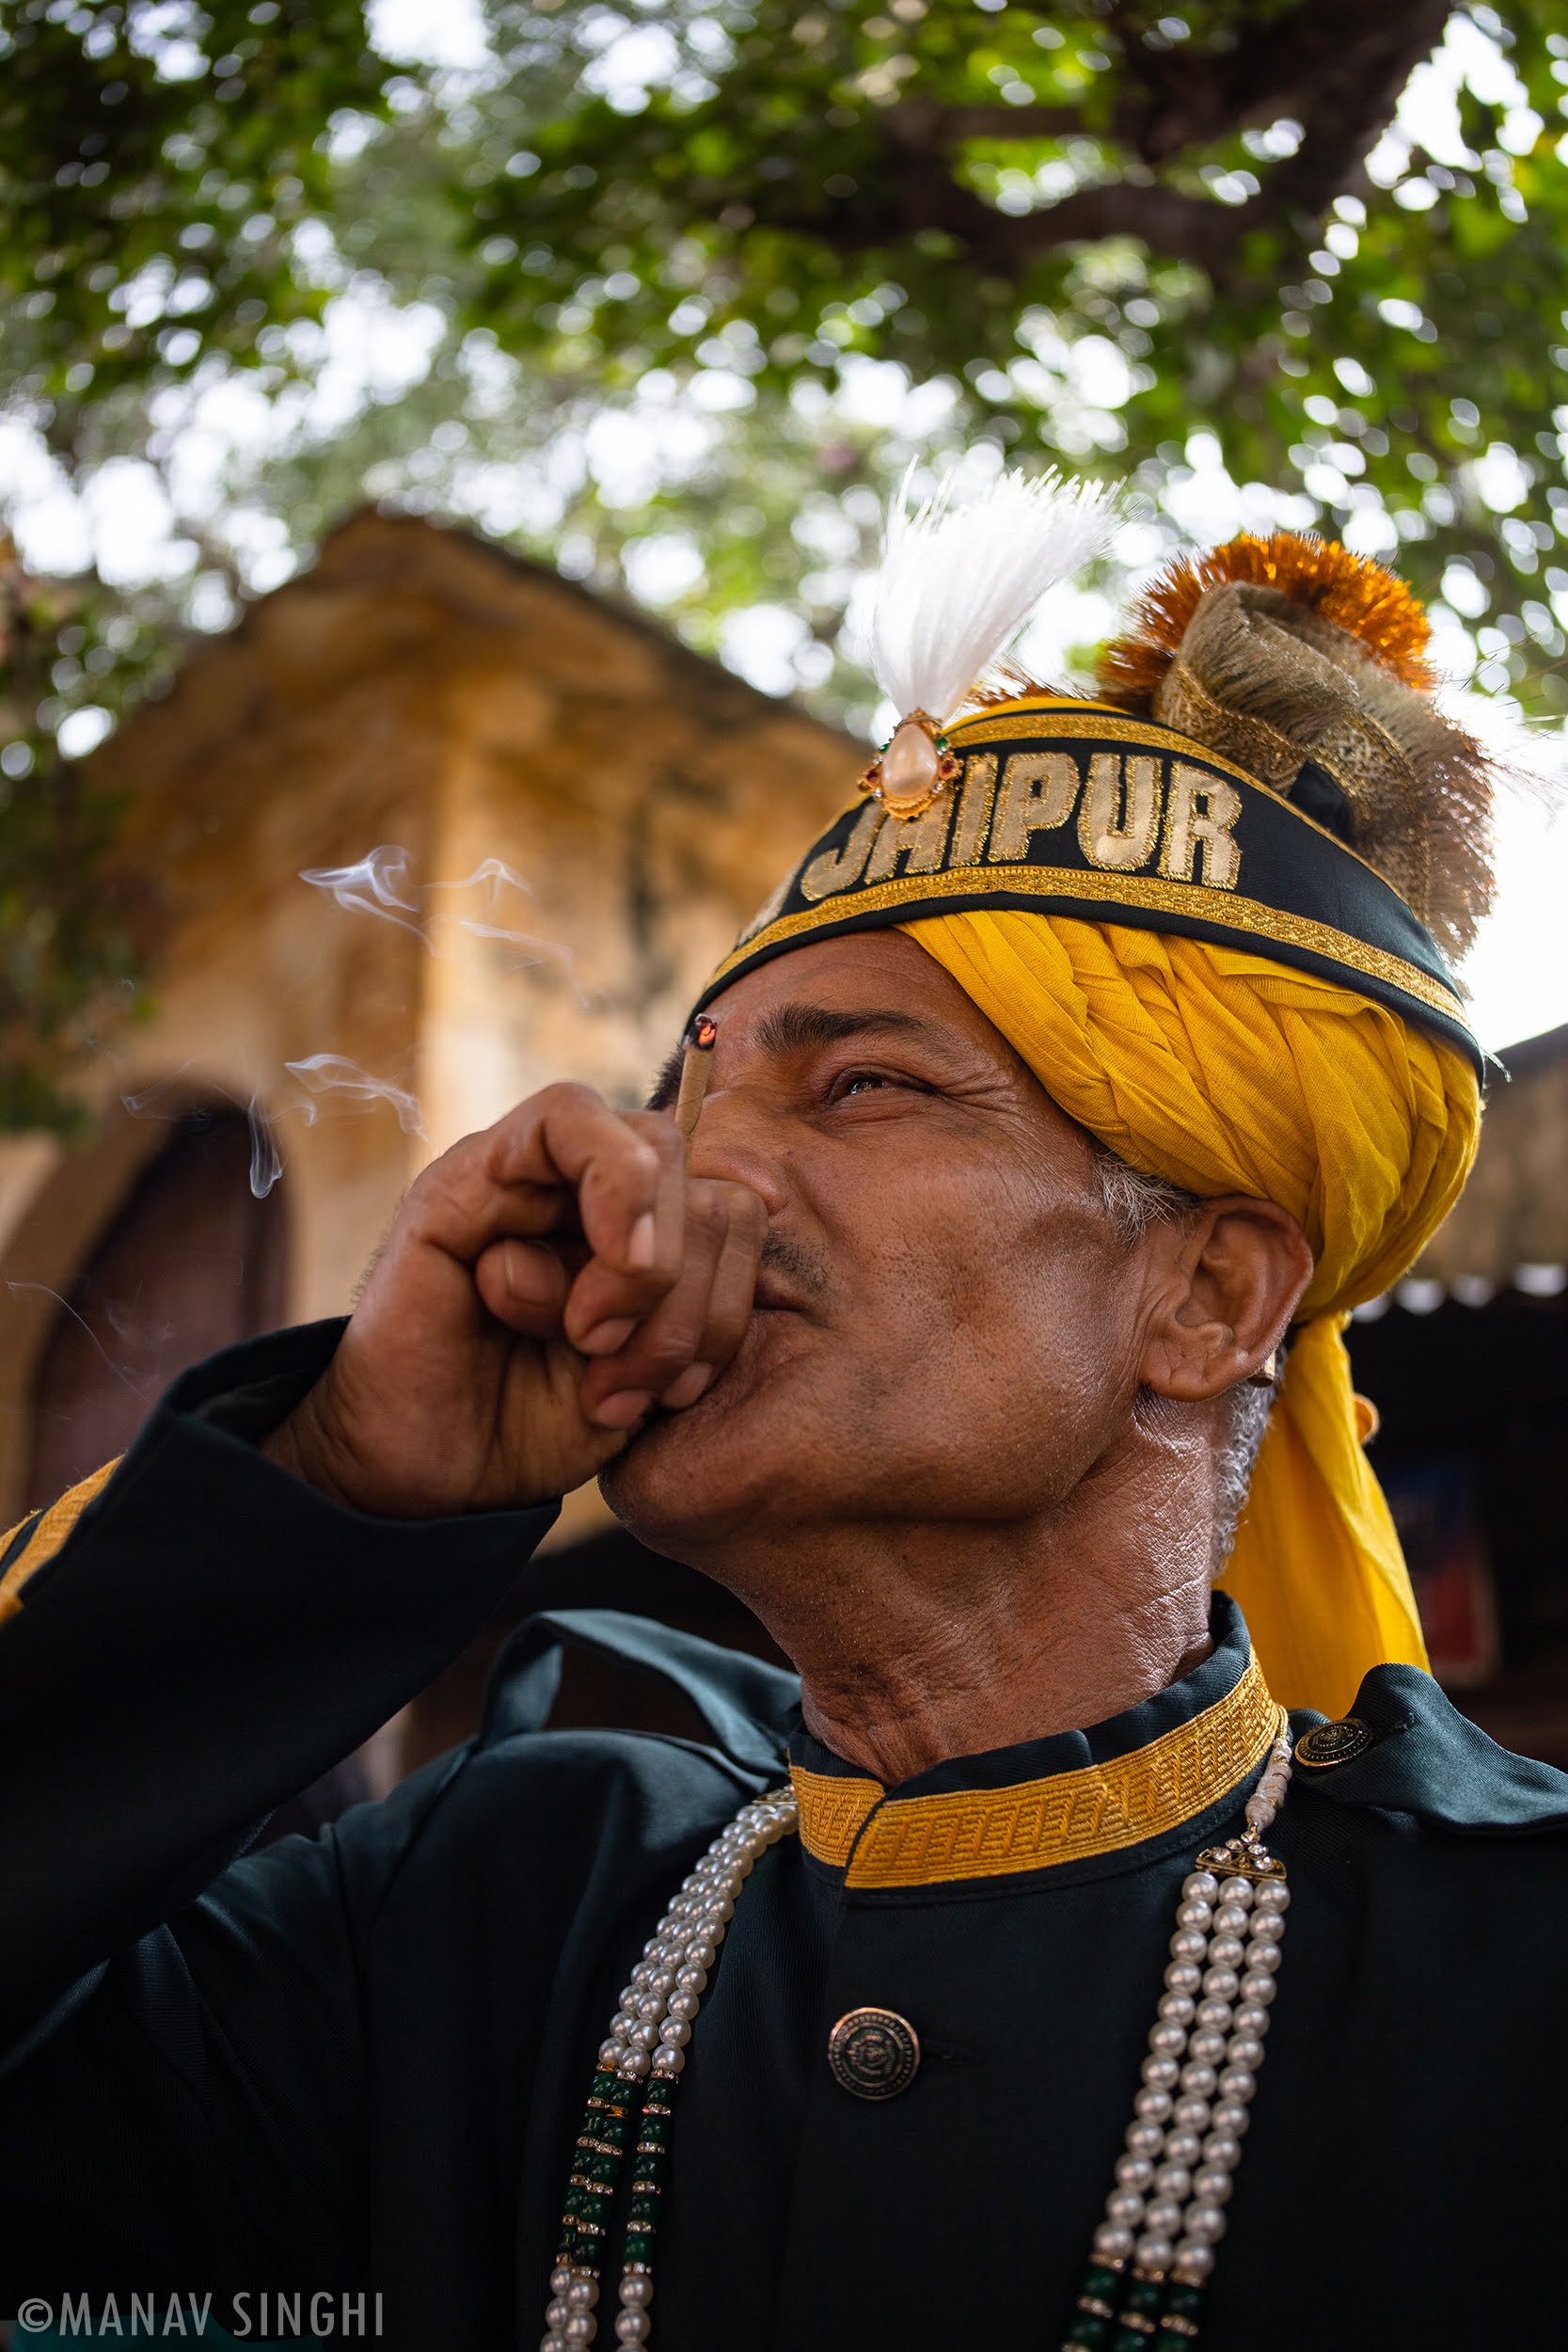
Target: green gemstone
<point x="1086" y="2333"/>
<point x="639" y="2246"/>
<point x="1129" y="2339"/>
<point x="1146" y="2295"/>
<point x="604" y="2083"/>
<point x="1185" y="2301"/>
<point x="655" y="2127"/>
<point x="601" y="2168"/>
<point x="1102" y="2282"/>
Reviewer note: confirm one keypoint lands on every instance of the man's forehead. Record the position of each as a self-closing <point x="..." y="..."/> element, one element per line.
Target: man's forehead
<point x="864" y="984"/>
<point x="868" y="975"/>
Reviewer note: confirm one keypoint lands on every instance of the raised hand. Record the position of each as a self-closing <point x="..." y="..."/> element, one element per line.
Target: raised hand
<point x="546" y="1284"/>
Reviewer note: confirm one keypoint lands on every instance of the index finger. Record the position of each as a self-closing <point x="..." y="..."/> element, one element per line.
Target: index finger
<point x="625" y="1168"/>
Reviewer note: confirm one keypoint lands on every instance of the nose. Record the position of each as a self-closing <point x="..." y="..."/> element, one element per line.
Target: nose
<point x="738" y="1142"/>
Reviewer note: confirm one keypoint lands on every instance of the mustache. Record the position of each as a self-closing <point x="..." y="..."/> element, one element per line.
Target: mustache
<point x="793" y="1263"/>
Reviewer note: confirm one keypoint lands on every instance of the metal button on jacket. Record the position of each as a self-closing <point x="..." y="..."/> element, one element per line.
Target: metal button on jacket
<point x="1333" y="1744"/>
<point x="874" y="2053"/>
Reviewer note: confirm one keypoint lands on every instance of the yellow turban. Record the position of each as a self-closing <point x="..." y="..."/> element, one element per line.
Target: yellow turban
<point x="1224" y="1072"/>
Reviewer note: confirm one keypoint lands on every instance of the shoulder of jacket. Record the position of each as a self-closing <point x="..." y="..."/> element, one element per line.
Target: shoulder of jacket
<point x="746" y="1705"/>
<point x="1404" y="1747"/>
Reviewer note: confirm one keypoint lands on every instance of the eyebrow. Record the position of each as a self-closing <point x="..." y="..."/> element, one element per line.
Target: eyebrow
<point x="798" y="1028"/>
<point x="802" y="1028"/>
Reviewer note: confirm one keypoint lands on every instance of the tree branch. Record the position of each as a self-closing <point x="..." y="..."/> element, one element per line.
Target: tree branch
<point x="1337" y="66"/>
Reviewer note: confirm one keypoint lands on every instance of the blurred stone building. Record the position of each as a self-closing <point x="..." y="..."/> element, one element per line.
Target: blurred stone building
<point x="533" y="823"/>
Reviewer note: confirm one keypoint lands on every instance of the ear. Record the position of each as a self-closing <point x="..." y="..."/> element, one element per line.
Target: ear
<point x="1224" y="1285"/>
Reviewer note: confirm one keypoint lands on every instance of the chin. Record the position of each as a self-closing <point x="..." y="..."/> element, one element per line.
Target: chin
<point x="726" y="1467"/>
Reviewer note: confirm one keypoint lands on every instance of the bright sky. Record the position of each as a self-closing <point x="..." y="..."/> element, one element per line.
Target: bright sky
<point x="1518" y="972"/>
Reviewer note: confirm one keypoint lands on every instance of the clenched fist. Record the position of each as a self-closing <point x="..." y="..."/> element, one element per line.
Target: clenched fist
<point x="546" y="1285"/>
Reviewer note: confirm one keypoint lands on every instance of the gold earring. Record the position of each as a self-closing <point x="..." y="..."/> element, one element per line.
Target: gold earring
<point x="1267" y="1372"/>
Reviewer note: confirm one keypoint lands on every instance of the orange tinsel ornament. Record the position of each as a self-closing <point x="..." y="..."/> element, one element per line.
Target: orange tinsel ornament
<point x="1350" y="591"/>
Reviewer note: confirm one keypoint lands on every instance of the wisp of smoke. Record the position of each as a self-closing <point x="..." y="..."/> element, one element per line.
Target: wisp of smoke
<point x="374" y="885"/>
<point x="334" y="1074"/>
<point x="44" y="1290"/>
<point x="266" y="1164"/>
<point x="164" y="1099"/>
<point x="493" y="871"/>
<point x="379" y="883"/>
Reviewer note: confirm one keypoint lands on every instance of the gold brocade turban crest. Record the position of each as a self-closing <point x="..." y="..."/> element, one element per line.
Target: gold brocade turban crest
<point x="1208" y="908"/>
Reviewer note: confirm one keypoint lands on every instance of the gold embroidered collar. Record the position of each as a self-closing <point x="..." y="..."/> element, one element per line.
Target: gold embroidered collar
<point x="883" y="1841"/>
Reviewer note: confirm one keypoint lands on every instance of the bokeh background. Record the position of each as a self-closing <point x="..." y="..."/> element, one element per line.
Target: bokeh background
<point x="441" y="453"/>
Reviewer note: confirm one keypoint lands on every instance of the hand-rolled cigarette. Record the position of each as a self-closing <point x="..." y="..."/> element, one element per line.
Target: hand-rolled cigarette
<point x="695" y="1067"/>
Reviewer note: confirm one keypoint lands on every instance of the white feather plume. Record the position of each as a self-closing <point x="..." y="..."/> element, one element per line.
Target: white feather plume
<point x="959" y="580"/>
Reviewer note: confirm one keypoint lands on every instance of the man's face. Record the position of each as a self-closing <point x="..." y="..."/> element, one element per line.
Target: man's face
<point x="945" y="1325"/>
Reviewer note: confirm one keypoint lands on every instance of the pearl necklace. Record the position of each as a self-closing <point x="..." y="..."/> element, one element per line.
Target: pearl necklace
<point x="1153" y="2251"/>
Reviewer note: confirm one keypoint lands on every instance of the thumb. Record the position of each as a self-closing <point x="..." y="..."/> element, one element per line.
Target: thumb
<point x="523" y="1286"/>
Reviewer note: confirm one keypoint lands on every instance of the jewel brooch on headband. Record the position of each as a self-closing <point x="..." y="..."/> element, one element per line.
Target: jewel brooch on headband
<point x="914" y="766"/>
<point x="956" y="585"/>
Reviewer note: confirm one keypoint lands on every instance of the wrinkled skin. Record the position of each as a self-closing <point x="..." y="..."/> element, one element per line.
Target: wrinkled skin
<point x="956" y="1445"/>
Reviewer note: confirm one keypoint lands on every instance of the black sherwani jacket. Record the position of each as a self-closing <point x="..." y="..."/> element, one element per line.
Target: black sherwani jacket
<point x="359" y="2061"/>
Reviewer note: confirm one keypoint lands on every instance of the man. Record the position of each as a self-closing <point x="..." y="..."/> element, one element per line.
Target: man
<point x="1093" y="1054"/>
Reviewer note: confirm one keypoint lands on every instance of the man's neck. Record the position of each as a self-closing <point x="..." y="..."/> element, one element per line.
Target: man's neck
<point x="918" y="1644"/>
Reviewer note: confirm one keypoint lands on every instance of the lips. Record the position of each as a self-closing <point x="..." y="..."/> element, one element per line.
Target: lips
<point x="771" y="1296"/>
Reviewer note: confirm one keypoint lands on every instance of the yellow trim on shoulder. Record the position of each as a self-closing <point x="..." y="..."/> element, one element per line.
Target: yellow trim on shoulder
<point x="1222" y="908"/>
<point x="1067" y="1817"/>
<point x="832" y="1812"/>
<point x="48" y="1534"/>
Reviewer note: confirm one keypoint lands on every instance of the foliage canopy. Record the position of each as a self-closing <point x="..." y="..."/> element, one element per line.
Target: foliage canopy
<point x="645" y="287"/>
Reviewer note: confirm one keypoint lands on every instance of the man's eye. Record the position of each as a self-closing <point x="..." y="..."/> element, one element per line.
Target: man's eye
<point x="867" y="1082"/>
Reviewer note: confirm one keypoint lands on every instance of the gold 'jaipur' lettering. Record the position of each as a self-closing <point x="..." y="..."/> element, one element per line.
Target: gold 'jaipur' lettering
<point x="1119" y="819"/>
<point x="1200" y="810"/>
<point x="1039" y="789"/>
<point x="840" y="870"/>
<point x="1118" y="804"/>
<point x="919" y="842"/>
<point x="969" y="826"/>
